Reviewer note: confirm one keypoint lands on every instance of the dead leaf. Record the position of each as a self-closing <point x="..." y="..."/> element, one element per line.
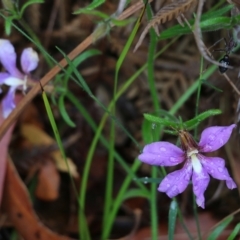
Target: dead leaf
<point x="39" y="138"/>
<point x="17" y="205"/>
<point x="48" y="182"/>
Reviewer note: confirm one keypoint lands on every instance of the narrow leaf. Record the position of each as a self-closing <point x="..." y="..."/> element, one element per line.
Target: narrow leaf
<point x="172" y="216"/>
<point x="218" y="230"/>
<point x="91" y="6"/>
<point x="93" y="12"/>
<point x="162" y="121"/>
<point x="235" y="232"/>
<point x="132" y="193"/>
<point x="195" y="121"/>
<point x="64" y="113"/>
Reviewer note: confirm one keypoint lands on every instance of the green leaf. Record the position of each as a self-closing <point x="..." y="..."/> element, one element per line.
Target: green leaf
<point x="54" y="126"/>
<point x="28" y="3"/>
<point x="162" y="121"/>
<point x="135" y="192"/>
<point x="195" y="121"/>
<point x="170" y="132"/>
<point x="146" y="131"/>
<point x="172" y="216"/>
<point x="8" y="25"/>
<point x="78" y="60"/>
<point x="210" y="21"/>
<point x="80" y="79"/>
<point x="218" y="230"/>
<point x="235" y="232"/>
<point x="216" y="23"/>
<point x="205" y="82"/>
<point x="85" y="55"/>
<point x="93" y="12"/>
<point x="122" y="23"/>
<point x="63" y="111"/>
<point x="91" y="6"/>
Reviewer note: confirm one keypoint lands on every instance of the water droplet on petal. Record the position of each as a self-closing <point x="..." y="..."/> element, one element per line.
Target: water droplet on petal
<point x="163" y="149"/>
<point x="211" y="137"/>
<point x="168" y="185"/>
<point x="173" y="159"/>
<point x="220" y="169"/>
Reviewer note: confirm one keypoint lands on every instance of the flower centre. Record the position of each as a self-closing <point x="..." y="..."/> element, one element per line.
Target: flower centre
<point x="197" y="166"/>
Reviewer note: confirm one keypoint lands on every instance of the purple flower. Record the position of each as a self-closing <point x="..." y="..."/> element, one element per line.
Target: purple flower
<point x="14" y="78"/>
<point x="195" y="164"/>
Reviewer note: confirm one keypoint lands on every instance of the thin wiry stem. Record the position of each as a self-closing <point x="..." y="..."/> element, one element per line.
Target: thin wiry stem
<point x="198" y="37"/>
<point x="232" y="84"/>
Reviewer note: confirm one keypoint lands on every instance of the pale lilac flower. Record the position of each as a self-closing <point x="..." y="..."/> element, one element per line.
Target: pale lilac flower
<point x="196" y="165"/>
<point x="14" y="78"/>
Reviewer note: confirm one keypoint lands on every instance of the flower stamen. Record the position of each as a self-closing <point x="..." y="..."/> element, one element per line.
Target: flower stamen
<point x="197" y="166"/>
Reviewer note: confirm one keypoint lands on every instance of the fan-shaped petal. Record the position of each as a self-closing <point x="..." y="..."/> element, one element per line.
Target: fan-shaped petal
<point x="200" y="182"/>
<point x="8" y="103"/>
<point x="162" y="154"/>
<point x="29" y="60"/>
<point x="3" y="77"/>
<point x="215" y="166"/>
<point x="176" y="182"/>
<point x="8" y="57"/>
<point x="213" y="138"/>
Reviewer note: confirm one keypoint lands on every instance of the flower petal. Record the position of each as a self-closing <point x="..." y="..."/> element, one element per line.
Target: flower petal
<point x="215" y="166"/>
<point x="13" y="81"/>
<point x="200" y="182"/>
<point x="213" y="138"/>
<point x="8" y="57"/>
<point x="162" y="154"/>
<point x="8" y="103"/>
<point x="3" y="77"/>
<point x="29" y="60"/>
<point x="176" y="182"/>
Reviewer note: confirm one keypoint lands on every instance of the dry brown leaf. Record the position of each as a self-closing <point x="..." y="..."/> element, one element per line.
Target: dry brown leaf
<point x="167" y="13"/>
<point x="48" y="182"/>
<point x="39" y="138"/>
<point x="17" y="205"/>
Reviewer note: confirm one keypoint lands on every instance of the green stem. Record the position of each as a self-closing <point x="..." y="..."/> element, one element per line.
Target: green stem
<point x="96" y="138"/>
<point x="153" y="201"/>
<point x="103" y="140"/>
<point x="198" y="94"/>
<point x="156" y="104"/>
<point x="118" y="201"/>
<point x="110" y="165"/>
